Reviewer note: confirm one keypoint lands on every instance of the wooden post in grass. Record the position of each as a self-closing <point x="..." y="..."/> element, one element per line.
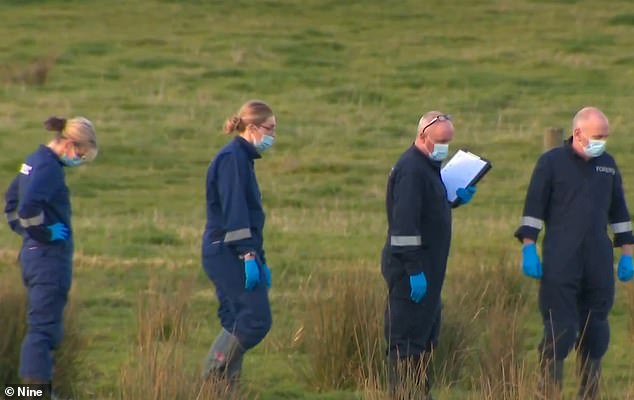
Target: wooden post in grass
<point x="553" y="137"/>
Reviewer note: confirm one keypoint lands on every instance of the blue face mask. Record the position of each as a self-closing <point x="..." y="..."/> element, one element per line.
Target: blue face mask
<point x="594" y="148"/>
<point x="441" y="151"/>
<point x="264" y="144"/>
<point x="71" y="162"/>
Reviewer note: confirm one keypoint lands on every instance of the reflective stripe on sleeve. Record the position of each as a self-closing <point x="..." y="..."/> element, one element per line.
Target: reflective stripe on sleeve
<point x="621" y="227"/>
<point x="532" y="222"/>
<point x="33" y="221"/>
<point x="238" y="234"/>
<point x="405" y="240"/>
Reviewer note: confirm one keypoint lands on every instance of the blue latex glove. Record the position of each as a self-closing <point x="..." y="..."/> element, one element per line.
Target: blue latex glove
<point x="530" y="261"/>
<point x="59" y="231"/>
<point x="466" y="194"/>
<point x="267" y="275"/>
<point x="251" y="273"/>
<point x="625" y="270"/>
<point x="418" y="284"/>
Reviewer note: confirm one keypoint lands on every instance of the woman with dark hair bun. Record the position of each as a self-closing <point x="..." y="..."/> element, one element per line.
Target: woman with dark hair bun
<point x="38" y="209"/>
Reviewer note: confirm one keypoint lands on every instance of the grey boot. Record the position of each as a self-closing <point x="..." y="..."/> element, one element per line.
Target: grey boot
<point x="224" y="360"/>
<point x="590" y="374"/>
<point x="552" y="377"/>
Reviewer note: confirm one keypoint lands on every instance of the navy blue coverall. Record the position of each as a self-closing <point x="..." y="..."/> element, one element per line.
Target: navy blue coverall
<point x="575" y="200"/>
<point x="36" y="198"/>
<point x="235" y="223"/>
<point x="418" y="239"/>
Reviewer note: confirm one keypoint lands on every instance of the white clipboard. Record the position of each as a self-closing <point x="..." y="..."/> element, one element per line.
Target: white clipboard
<point x="462" y="170"/>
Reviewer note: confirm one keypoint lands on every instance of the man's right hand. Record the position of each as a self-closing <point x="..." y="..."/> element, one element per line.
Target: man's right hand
<point x="531" y="265"/>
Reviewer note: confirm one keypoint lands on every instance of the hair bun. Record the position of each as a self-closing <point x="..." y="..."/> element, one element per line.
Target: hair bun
<point x="232" y="124"/>
<point x="56" y="124"/>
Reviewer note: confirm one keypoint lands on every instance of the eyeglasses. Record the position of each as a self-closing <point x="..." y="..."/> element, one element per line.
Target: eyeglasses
<point x="83" y="155"/>
<point x="442" y="117"/>
<point x="268" y="128"/>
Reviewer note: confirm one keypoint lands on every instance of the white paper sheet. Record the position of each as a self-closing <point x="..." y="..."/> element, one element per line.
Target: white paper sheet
<point x="460" y="171"/>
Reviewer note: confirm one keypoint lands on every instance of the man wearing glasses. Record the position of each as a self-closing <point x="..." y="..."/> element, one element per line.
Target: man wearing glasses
<point x="575" y="192"/>
<point x="415" y="255"/>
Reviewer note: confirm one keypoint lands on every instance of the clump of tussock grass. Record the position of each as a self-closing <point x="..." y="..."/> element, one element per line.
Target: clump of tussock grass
<point x="35" y="73"/>
<point x="629" y="306"/>
<point x="520" y="383"/>
<point x="482" y="337"/>
<point x="13" y="311"/>
<point x="476" y="303"/>
<point x="68" y="358"/>
<point x="343" y="330"/>
<point x="503" y="334"/>
<point x="161" y="371"/>
<point x="410" y="387"/>
<point x="158" y="367"/>
<point x="162" y="313"/>
<point x="457" y="336"/>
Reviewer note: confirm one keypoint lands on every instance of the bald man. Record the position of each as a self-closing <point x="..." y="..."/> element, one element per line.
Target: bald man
<point x="415" y="255"/>
<point x="575" y="192"/>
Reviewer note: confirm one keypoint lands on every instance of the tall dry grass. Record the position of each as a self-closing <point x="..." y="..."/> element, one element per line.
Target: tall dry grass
<point x="161" y="371"/>
<point x="343" y="330"/>
<point x="503" y="333"/>
<point x="482" y="336"/>
<point x="629" y="306"/>
<point x="159" y="367"/>
<point x="13" y="312"/>
<point x="68" y="358"/>
<point x="162" y="312"/>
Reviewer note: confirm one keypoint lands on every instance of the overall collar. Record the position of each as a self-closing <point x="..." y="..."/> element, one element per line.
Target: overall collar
<point x="576" y="156"/>
<point x="247" y="147"/>
<point x="433" y="163"/>
<point x="50" y="153"/>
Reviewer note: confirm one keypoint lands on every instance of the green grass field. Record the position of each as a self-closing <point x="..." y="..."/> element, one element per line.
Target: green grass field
<point x="348" y="81"/>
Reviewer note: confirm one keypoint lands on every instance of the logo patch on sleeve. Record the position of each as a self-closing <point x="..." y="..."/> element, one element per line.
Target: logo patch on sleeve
<point x="25" y="169"/>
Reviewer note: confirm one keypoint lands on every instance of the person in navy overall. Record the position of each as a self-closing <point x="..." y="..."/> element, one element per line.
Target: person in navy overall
<point x="232" y="246"/>
<point x="38" y="208"/>
<point x="414" y="257"/>
<point x="575" y="192"/>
